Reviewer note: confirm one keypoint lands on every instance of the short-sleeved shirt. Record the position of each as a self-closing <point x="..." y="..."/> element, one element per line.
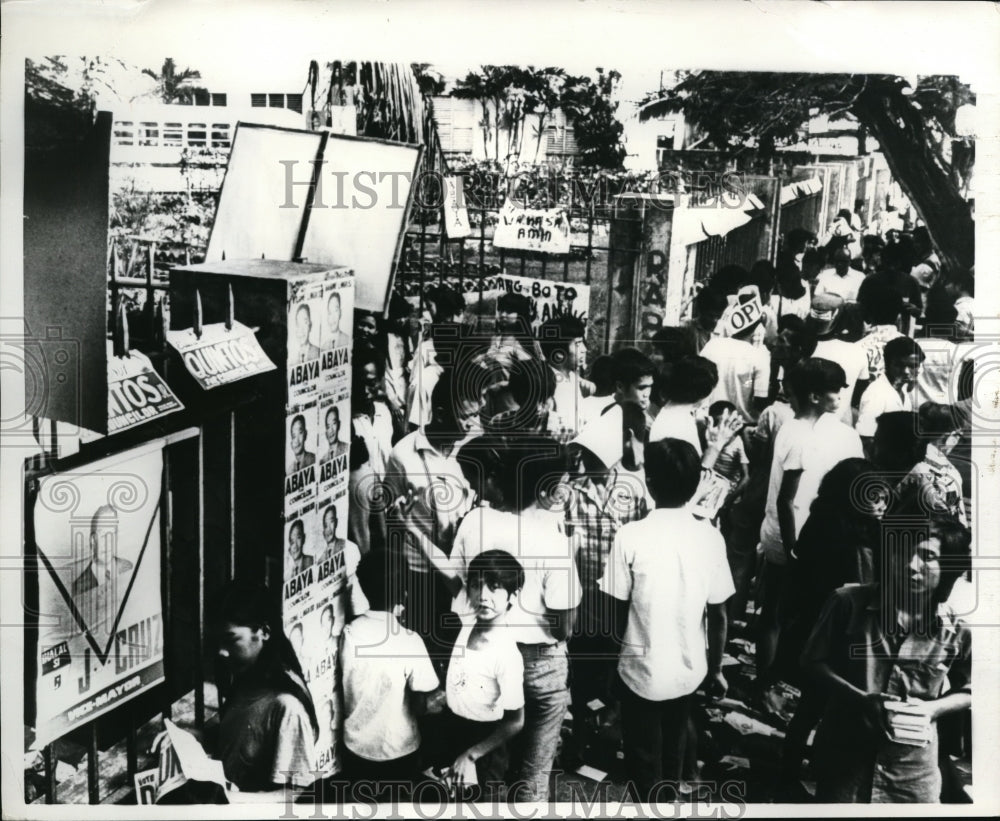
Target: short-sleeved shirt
<point x="744" y="372"/>
<point x="382" y="662"/>
<point x="813" y="448"/>
<point x="938" y="376"/>
<point x="484" y="682"/>
<point x="667" y="582"/>
<point x="265" y="738"/>
<point x="879" y="397"/>
<point x="676" y="422"/>
<point x="846" y="287"/>
<point x="538" y="539"/>
<point x="861" y="645"/>
<point x="442" y="494"/>
<point x="853" y="359"/>
<point x="936" y="484"/>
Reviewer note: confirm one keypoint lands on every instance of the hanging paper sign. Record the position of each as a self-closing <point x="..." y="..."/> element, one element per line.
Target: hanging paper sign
<point x="136" y="392"/>
<point x="524" y="230"/>
<point x="100" y="627"/>
<point x="456" y="215"/>
<point x="220" y="356"/>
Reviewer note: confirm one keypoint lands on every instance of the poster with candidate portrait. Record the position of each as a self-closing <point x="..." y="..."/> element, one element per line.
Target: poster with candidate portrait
<point x="305" y="319"/>
<point x="301" y="540"/>
<point x="337" y="330"/>
<point x="301" y="441"/>
<point x="99" y="614"/>
<point x="334" y="445"/>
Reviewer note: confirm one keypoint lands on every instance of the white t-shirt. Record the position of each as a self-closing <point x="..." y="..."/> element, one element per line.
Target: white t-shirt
<point x="676" y="422"/>
<point x="482" y="683"/>
<point x="846" y="286"/>
<point x="854" y="360"/>
<point x="381" y="660"/>
<point x="879" y="397"/>
<point x="744" y="372"/>
<point x="667" y="583"/>
<point x="813" y="448"/>
<point x="538" y="539"/>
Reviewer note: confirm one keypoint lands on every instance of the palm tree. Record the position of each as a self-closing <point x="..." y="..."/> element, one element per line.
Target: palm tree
<point x="175" y="86"/>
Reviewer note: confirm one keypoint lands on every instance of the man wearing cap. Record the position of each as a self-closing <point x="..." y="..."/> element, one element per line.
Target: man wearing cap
<point x="744" y="368"/>
<point x="849" y="355"/>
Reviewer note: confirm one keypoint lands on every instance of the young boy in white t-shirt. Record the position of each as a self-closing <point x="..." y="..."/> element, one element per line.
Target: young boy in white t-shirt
<point x="387" y="680"/>
<point x="662" y="589"/>
<point x="485" y="682"/>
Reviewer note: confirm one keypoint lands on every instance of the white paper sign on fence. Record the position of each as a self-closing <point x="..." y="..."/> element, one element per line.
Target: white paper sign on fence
<point x="524" y="230"/>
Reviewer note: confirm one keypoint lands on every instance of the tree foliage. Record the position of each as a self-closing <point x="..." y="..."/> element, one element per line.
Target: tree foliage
<point x="913" y="121"/>
<point x="509" y="94"/>
<point x="175" y="85"/>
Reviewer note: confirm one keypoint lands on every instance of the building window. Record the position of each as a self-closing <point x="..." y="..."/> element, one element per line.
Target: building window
<point x="258" y="100"/>
<point x="173" y="134"/>
<point x="149" y="134"/>
<point x="196" y="135"/>
<point x="124" y="134"/>
<point x="218" y="99"/>
<point x="289" y="101"/>
<point x="294" y="102"/>
<point x="220" y="135"/>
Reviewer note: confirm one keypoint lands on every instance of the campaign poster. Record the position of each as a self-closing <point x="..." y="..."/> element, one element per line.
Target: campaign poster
<point x="100" y="627"/>
<point x="334" y="452"/>
<point x="522" y="229"/>
<point x="456" y="215"/>
<point x="216" y="355"/>
<point x="136" y="392"/>
<point x="548" y="297"/>
<point x="301" y="540"/>
<point x="305" y="318"/>
<point x="301" y="440"/>
<point x="337" y="330"/>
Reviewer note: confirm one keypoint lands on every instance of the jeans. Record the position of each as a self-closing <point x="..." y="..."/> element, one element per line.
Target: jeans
<point x="546" y="697"/>
<point x="655" y="737"/>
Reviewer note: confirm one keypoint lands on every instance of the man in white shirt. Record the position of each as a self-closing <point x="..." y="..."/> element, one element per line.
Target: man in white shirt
<point x="892" y="390"/>
<point x="841" y="280"/>
<point x="662" y="589"/>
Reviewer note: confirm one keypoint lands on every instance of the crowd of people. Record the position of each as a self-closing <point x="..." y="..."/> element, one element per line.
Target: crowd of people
<point x="538" y="531"/>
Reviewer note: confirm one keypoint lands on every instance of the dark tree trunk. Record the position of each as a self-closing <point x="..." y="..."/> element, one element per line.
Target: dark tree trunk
<point x="920" y="171"/>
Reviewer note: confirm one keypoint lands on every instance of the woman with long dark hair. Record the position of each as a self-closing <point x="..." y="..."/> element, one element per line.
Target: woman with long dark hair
<point x="837" y="546"/>
<point x="268" y="725"/>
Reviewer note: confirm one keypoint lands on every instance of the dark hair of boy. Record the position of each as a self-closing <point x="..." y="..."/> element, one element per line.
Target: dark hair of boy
<point x="482" y="458"/>
<point x="497" y="568"/>
<point x="909" y="524"/>
<point x="688" y="380"/>
<point x="534" y="464"/>
<point x="555" y="335"/>
<point x="935" y="420"/>
<point x="672" y="343"/>
<point x="902" y="347"/>
<point x="789" y="281"/>
<point x="716" y="409"/>
<point x="709" y="306"/>
<point x="801" y="338"/>
<point x="447" y="301"/>
<point x="729" y="279"/>
<point x="602" y="374"/>
<point x="381" y="580"/>
<point x="531" y="382"/>
<point x="673" y="471"/>
<point x="815" y="376"/>
<point x="881" y="304"/>
<point x="519" y="304"/>
<point x="896" y="447"/>
<point x="631" y="365"/>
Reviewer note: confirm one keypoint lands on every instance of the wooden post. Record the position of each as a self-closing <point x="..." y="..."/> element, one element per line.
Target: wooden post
<point x="93" y="784"/>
